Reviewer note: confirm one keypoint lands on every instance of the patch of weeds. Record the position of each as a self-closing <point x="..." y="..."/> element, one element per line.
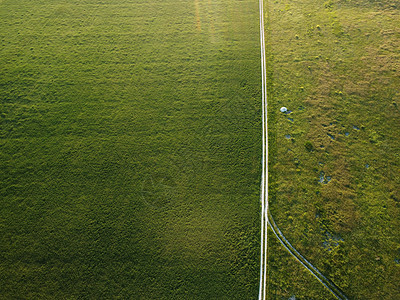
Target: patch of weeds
<point x="309" y="146"/>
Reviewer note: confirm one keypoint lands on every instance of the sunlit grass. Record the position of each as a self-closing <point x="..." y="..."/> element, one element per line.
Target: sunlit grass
<point x="335" y="66"/>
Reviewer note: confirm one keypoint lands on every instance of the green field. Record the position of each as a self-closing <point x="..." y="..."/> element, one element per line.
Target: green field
<point x="130" y="149"/>
<point x="335" y="159"/>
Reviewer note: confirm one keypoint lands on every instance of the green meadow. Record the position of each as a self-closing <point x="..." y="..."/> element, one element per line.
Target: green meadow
<point x="130" y="149"/>
<point x="334" y="159"/>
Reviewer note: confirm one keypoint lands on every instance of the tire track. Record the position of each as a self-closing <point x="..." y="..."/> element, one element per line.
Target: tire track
<point x="334" y="289"/>
<point x="264" y="174"/>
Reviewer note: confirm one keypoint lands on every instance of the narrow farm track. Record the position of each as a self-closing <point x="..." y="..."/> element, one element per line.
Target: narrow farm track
<point x="266" y="217"/>
<point x="264" y="175"/>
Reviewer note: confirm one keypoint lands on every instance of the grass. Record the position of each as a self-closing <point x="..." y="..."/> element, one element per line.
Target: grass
<point x="334" y="64"/>
<point x="130" y="149"/>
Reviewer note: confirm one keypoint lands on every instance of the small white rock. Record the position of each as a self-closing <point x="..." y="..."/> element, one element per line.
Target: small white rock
<point x="283" y="109"/>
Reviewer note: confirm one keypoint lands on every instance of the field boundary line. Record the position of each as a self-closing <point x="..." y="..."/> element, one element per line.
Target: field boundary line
<point x="264" y="161"/>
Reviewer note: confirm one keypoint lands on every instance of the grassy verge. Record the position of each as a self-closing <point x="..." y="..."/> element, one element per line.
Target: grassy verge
<point x="335" y="164"/>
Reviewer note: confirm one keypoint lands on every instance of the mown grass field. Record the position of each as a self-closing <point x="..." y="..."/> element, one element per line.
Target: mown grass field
<point x="334" y="160"/>
<point x="130" y="149"/>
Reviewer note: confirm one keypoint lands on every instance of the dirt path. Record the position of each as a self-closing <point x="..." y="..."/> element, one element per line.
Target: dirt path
<point x="264" y="176"/>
